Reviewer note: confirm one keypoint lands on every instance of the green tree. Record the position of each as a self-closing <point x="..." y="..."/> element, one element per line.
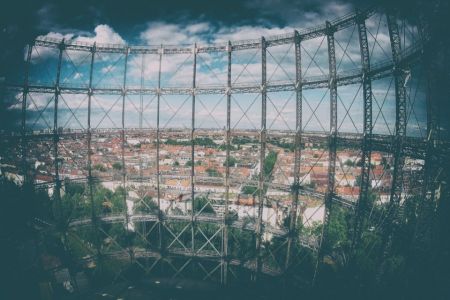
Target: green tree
<point x="202" y="204"/>
<point x="100" y="167"/>
<point x="269" y="163"/>
<point x="146" y="205"/>
<point x="212" y="172"/>
<point x="349" y="163"/>
<point x="230" y="161"/>
<point x="117" y="166"/>
<point x="249" y="190"/>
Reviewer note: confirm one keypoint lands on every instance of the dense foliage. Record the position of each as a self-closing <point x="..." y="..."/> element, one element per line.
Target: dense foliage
<point x="353" y="273"/>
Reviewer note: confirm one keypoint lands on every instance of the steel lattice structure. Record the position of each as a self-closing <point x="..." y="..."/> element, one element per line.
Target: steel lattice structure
<point x="212" y="248"/>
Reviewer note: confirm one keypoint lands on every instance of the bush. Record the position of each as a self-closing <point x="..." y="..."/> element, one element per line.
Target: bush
<point x="230" y="161"/>
<point x="117" y="166"/>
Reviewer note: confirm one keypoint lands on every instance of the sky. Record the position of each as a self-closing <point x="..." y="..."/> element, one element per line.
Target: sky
<point x="159" y="21"/>
<point x="188" y="22"/>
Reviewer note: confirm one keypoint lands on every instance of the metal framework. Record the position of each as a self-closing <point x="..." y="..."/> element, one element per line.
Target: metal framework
<point x="224" y="225"/>
<point x="56" y="136"/>
<point x="297" y="148"/>
<point x="363" y="205"/>
<point x="400" y="133"/>
<point x="262" y="155"/>
<point x="331" y="141"/>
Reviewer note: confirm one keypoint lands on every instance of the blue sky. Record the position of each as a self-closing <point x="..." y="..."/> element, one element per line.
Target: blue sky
<point x="203" y="23"/>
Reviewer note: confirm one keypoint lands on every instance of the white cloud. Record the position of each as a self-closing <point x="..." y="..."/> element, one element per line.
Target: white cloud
<point x="174" y="34"/>
<point x="41" y="53"/>
<point x="248" y="32"/>
<point x="198" y="28"/>
<point x="207" y="33"/>
<point x="107" y="69"/>
<point x="104" y="34"/>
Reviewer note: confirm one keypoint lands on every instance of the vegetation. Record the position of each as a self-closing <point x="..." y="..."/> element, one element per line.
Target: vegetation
<point x="206" y="141"/>
<point x="285" y="145"/>
<point x="249" y="190"/>
<point x="344" y="272"/>
<point x="224" y="147"/>
<point x="100" y="167"/>
<point x="269" y="163"/>
<point x="117" y="166"/>
<point x="189" y="163"/>
<point x="349" y="163"/>
<point x="203" y="205"/>
<point x="146" y="205"/>
<point x="213" y="172"/>
<point x="230" y="161"/>
<point x="242" y="140"/>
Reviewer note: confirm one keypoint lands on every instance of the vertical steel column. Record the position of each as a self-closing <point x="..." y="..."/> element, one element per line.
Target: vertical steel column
<point x="141" y="112"/>
<point x="331" y="144"/>
<point x="421" y="244"/>
<point x="363" y="204"/>
<point x="262" y="156"/>
<point x="427" y="206"/>
<point x="333" y="122"/>
<point x="158" y="173"/>
<point x="124" y="169"/>
<point x="400" y="132"/>
<point x="57" y="191"/>
<point x="26" y="177"/>
<point x="89" y="141"/>
<point x="141" y="96"/>
<point x="194" y="74"/>
<point x="295" y="189"/>
<point x="227" y="170"/>
<point x="400" y="111"/>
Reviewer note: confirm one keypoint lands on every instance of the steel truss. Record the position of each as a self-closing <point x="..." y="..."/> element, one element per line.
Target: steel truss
<point x="363" y="205"/>
<point x="170" y="240"/>
<point x="400" y="133"/>
<point x="332" y="143"/>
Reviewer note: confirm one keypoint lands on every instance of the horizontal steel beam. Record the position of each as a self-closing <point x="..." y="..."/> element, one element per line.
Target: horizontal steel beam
<point x="355" y="76"/>
<point x="305" y="34"/>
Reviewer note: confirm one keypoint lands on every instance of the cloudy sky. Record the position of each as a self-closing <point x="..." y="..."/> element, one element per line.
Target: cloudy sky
<point x="188" y="22"/>
<point x="159" y="21"/>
